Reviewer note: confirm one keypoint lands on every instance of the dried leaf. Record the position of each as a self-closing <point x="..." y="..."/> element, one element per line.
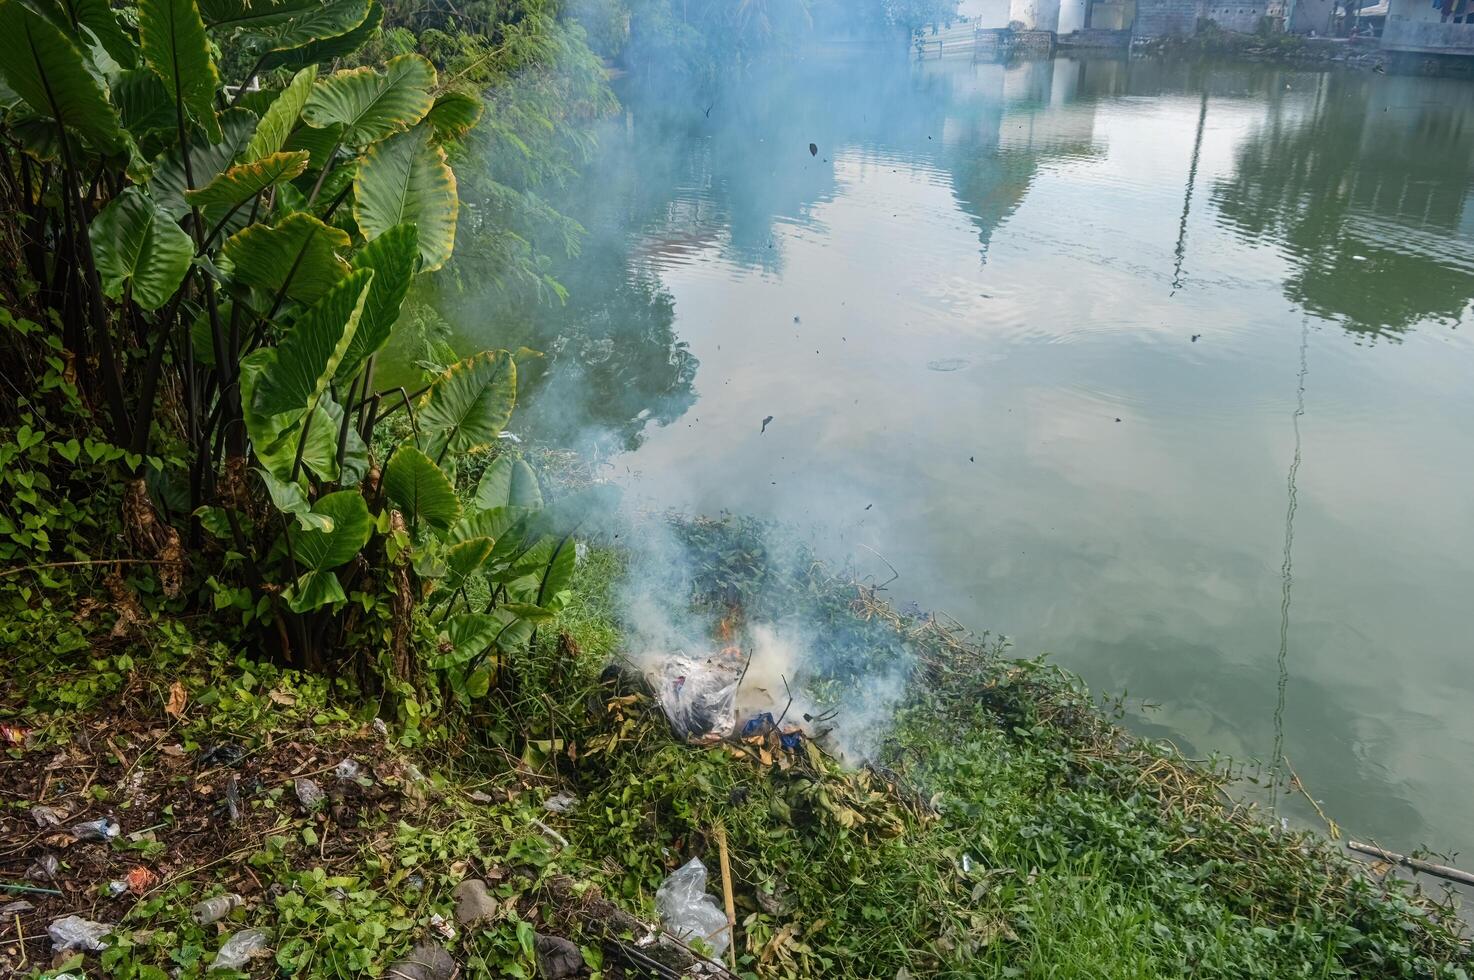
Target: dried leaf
<point x="178" y="698"/>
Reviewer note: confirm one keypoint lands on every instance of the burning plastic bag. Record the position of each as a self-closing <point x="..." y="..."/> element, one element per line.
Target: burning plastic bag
<point x="688" y="912"/>
<point x="699" y="696"/>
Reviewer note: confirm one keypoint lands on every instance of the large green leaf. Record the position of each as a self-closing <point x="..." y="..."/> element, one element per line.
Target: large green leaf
<point x="171" y="35"/>
<point x="464" y="559"/>
<point x="350" y="524"/>
<point x="98" y="17"/>
<point x="319" y="22"/>
<point x="492" y="524"/>
<point x="143" y="103"/>
<point x="168" y="186"/>
<point x="245" y="180"/>
<point x="405" y="179"/>
<point x="330" y="49"/>
<point x="508" y="482"/>
<point x="557" y="575"/>
<point x="289" y="498"/>
<point x="46" y="69"/>
<point x="277" y="122"/>
<point x="226" y="15"/>
<point x="309" y="353"/>
<point x="467" y="407"/>
<point x="275" y="438"/>
<point x="417" y="486"/>
<point x="301" y="253"/>
<point x="392" y="256"/>
<point x="139" y="248"/>
<point x="454" y="114"/>
<point x="320" y="551"/>
<point x="370" y="106"/>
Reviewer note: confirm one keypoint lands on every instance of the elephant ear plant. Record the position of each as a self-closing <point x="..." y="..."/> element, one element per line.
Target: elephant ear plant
<point x="225" y="262"/>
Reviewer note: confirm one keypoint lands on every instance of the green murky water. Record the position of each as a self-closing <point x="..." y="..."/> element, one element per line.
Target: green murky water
<point x="1165" y="370"/>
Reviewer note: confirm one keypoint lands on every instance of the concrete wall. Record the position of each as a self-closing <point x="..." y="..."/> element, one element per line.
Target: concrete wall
<point x="1234" y="15"/>
<point x="1312" y="15"/>
<point x="989" y="14"/>
<point x="1416" y="25"/>
<point x="1072" y="15"/>
<point x="1034" y="15"/>
<point x="1166" y="18"/>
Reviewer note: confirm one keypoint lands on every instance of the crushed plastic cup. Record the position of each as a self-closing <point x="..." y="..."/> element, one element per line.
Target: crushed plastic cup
<point x="103" y="830"/>
<point x="215" y="909"/>
<point x="44" y="868"/>
<point x="688" y="912"/>
<point x="347" y="769"/>
<point x="237" y="951"/>
<point x="74" y="932"/>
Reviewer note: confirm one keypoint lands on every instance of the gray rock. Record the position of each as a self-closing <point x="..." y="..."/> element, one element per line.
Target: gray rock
<point x="473" y="904"/>
<point x="425" y="962"/>
<point x="557" y="958"/>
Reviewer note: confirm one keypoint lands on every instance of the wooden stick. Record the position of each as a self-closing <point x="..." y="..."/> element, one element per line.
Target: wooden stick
<point x="720" y="833"/>
<point x="1427" y="867"/>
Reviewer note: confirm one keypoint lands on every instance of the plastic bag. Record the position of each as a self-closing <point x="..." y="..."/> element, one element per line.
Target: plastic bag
<point x="309" y="794"/>
<point x="699" y="696"/>
<point x="75" y="932"/>
<point x="103" y="829"/>
<point x="688" y="912"/>
<point x="237" y="951"/>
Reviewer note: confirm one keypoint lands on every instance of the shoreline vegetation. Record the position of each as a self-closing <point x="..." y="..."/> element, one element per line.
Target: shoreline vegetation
<point x="313" y="674"/>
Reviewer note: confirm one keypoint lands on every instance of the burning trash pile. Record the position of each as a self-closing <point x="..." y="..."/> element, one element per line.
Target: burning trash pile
<point x="744" y="690"/>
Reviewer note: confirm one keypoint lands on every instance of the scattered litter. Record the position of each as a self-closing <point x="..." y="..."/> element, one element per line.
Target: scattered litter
<point x="473" y="903"/>
<point x="1196" y="337"/>
<point x="699" y="697"/>
<point x="217" y="908"/>
<point x="103" y="829"/>
<point x="238" y="950"/>
<point x="476" y="796"/>
<point x="14" y="734"/>
<point x="813" y="149"/>
<point x="765" y="425"/>
<point x="414" y="882"/>
<point x="967" y="864"/>
<point x="1359" y="258"/>
<point x="116" y="888"/>
<point x="224" y="754"/>
<point x="760" y="724"/>
<point x="75" y="932"/>
<point x="44" y="868"/>
<point x="380" y="727"/>
<point x="561" y="803"/>
<point x="309" y="794"/>
<point x="424" y="962"/>
<point x="347" y="769"/>
<point x="438" y="923"/>
<point x="17" y="907"/>
<point x="47" y="816"/>
<point x="688" y="912"/>
<point x="413" y="774"/>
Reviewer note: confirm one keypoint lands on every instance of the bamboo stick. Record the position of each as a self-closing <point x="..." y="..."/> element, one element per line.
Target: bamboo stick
<point x="720" y="833"/>
<point x="1427" y="867"/>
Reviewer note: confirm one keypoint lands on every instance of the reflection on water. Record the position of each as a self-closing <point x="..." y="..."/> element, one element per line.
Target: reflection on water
<point x="1032" y="332"/>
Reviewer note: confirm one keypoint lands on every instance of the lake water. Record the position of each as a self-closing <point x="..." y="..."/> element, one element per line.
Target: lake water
<point x="1165" y="370"/>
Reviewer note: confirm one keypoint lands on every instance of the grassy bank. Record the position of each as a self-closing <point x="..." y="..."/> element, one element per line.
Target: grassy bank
<point x="1005" y="828"/>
